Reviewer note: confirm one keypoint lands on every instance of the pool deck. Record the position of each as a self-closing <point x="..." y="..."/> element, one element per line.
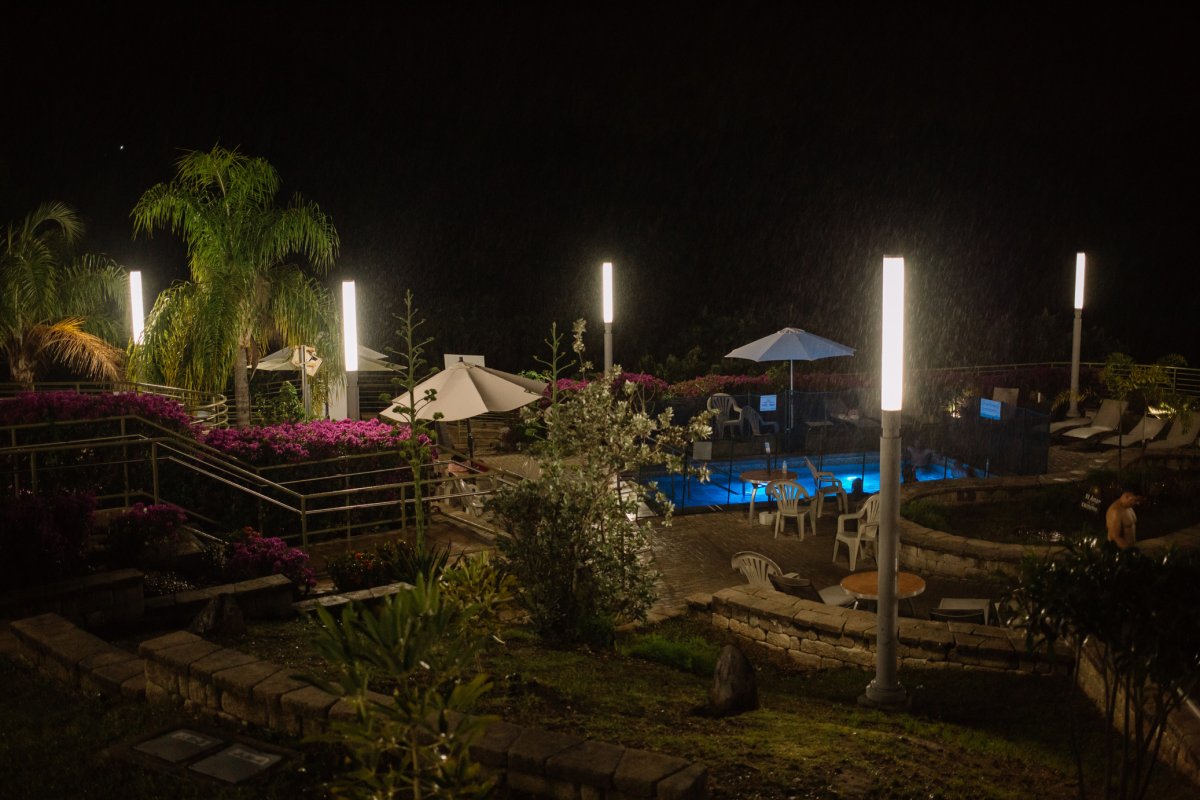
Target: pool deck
<point x="692" y="555"/>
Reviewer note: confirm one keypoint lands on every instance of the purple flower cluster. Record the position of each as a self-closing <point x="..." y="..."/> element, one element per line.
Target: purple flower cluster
<point x="257" y="556"/>
<point x="567" y="385"/>
<point x="36" y="407"/>
<point x="295" y="442"/>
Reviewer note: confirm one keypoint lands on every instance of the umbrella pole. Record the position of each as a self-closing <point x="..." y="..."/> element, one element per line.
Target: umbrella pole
<point x="470" y="441"/>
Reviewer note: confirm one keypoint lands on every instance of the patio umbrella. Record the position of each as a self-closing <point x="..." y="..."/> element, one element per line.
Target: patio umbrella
<point x="791" y="345"/>
<point x="467" y="390"/>
<point x="288" y="359"/>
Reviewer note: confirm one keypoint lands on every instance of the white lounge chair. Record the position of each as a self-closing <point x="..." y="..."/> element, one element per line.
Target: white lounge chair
<point x="1184" y="430"/>
<point x="1107" y="420"/>
<point x="1149" y="428"/>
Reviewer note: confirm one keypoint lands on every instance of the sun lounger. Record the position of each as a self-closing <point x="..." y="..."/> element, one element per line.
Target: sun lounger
<point x="1067" y="424"/>
<point x="1147" y="429"/>
<point x="1107" y="420"/>
<point x="1184" y="430"/>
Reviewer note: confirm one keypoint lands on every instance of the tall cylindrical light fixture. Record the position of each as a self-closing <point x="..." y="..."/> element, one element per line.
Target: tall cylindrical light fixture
<point x="350" y="345"/>
<point x="1080" y="269"/>
<point x="885" y="690"/>
<point x="137" y="311"/>
<point x="606" y="275"/>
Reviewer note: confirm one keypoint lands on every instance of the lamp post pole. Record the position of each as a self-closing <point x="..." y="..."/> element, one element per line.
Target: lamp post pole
<point x="1080" y="269"/>
<point x="137" y="311"/>
<point x="350" y="343"/>
<point x="606" y="274"/>
<point x="885" y="690"/>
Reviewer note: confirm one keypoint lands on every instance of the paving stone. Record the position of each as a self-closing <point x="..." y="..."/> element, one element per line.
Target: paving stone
<point x="236" y="763"/>
<point x="592" y="763"/>
<point x="110" y="677"/>
<point x="639" y="771"/>
<point x="690" y="783"/>
<point x="268" y="692"/>
<point x="491" y="749"/>
<point x="181" y="658"/>
<point x="305" y="710"/>
<point x="534" y="747"/>
<point x="148" y="648"/>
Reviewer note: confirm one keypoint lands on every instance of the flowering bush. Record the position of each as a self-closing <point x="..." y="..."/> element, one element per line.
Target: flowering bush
<point x="705" y="385"/>
<point x="252" y="555"/>
<point x="140" y="527"/>
<point x="291" y="443"/>
<point x="361" y="569"/>
<point x="41" y="536"/>
<point x="34" y="407"/>
<point x="650" y="386"/>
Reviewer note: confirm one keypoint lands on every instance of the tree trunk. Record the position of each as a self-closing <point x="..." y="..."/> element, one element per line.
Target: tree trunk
<point x="241" y="387"/>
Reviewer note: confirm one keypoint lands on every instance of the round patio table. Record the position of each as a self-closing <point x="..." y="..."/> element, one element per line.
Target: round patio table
<point x="757" y="477"/>
<point x="865" y="586"/>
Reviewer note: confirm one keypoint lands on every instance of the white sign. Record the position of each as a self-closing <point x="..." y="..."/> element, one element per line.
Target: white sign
<point x="766" y="402"/>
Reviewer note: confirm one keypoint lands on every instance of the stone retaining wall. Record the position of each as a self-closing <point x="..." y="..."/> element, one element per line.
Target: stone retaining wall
<point x="802" y="634"/>
<point x="261" y="598"/>
<point x="53" y="645"/>
<point x="102" y="600"/>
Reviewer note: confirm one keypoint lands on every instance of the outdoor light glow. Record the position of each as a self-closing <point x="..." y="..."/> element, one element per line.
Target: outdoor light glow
<point x="893" y="334"/>
<point x="1080" y="268"/>
<point x="606" y="275"/>
<point x="350" y="326"/>
<point x="137" y="311"/>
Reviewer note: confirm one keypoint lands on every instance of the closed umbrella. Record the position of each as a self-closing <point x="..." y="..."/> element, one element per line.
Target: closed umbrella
<point x="466" y="390"/>
<point x="791" y="345"/>
<point x="289" y="359"/>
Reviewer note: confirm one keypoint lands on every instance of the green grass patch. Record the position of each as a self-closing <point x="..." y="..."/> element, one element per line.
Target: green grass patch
<point x="686" y="653"/>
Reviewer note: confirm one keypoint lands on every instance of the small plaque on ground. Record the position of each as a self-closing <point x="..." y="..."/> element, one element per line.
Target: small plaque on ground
<point x="178" y="745"/>
<point x="236" y="763"/>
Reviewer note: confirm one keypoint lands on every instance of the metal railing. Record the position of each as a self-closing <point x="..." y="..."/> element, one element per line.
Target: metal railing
<point x="208" y="408"/>
<point x="157" y="466"/>
<point x="1185" y="380"/>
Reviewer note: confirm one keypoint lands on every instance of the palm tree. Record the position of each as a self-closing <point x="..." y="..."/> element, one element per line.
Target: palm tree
<point x="244" y="292"/>
<point x="55" y="308"/>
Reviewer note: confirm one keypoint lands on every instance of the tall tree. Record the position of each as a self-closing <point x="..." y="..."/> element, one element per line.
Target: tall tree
<point x="56" y="307"/>
<point x="244" y="291"/>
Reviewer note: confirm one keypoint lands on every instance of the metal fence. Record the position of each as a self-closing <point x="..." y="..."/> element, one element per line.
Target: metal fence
<point x="208" y="408"/>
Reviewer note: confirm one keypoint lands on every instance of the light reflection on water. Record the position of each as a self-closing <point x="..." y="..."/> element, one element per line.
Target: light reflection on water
<point x="725" y="488"/>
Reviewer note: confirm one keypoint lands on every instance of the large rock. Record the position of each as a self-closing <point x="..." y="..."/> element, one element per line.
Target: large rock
<point x="734" y="688"/>
<point x="221" y="615"/>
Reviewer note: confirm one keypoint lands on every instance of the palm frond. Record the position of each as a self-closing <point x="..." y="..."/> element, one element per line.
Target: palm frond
<point x="67" y="343"/>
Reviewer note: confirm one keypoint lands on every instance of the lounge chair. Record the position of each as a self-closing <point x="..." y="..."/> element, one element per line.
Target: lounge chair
<point x="1184" y="430"/>
<point x="757" y="423"/>
<point x="1006" y="394"/>
<point x="802" y="587"/>
<point x="964" y="609"/>
<point x="1149" y="428"/>
<point x="969" y="615"/>
<point x="1107" y="420"/>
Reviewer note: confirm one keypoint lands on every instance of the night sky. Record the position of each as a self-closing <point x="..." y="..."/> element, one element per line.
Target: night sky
<point x="745" y="165"/>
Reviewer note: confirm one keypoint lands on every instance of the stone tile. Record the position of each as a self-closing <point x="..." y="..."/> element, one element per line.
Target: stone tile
<point x="534" y="747"/>
<point x="591" y="763"/>
<point x="148" y="648"/>
<point x="639" y="771"/>
<point x="269" y="692"/>
<point x="305" y="710"/>
<point x="491" y="749"/>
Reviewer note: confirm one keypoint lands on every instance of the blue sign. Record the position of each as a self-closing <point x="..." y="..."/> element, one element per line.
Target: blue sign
<point x="766" y="402"/>
<point x="989" y="409"/>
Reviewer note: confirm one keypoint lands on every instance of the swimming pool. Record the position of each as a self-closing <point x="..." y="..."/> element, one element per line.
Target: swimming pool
<point x="725" y="488"/>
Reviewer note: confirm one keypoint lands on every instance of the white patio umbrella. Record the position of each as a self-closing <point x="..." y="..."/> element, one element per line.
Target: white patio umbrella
<point x="791" y="345"/>
<point x="466" y="390"/>
<point x="288" y="359"/>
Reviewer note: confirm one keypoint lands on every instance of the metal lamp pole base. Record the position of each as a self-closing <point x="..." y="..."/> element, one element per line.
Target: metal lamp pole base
<point x="608" y="347"/>
<point x="885" y="690"/>
<point x="1073" y="411"/>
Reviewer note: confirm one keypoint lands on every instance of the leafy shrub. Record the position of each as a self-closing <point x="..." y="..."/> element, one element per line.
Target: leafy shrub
<point x="42" y="536"/>
<point x="390" y="562"/>
<point x="416" y="742"/>
<point x="284" y="406"/>
<point x="252" y="555"/>
<point x="705" y="385"/>
<point x="141" y="527"/>
<point x="693" y="654"/>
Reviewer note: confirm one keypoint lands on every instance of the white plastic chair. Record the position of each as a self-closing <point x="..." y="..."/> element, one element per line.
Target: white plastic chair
<point x="826" y="484"/>
<point x="865" y="531"/>
<point x="755" y="567"/>
<point x="757" y="423"/>
<point x="788" y="496"/>
<point x="758" y="570"/>
<point x="725" y="407"/>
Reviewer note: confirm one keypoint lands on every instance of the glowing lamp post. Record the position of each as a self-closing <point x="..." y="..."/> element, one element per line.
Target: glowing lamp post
<point x="885" y="690"/>
<point x="606" y="274"/>
<point x="1080" y="269"/>
<point x="136" y="309"/>
<point x="350" y="343"/>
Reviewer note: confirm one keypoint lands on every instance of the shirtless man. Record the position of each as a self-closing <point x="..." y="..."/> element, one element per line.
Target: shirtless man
<point x="1121" y="520"/>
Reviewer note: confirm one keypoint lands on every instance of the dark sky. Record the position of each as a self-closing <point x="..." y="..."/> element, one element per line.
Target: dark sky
<point x="746" y="166"/>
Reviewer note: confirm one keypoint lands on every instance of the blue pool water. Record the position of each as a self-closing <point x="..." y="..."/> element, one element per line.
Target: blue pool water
<point x="724" y="487"/>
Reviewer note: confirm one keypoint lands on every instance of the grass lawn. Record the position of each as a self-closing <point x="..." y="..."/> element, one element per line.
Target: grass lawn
<point x="967" y="735"/>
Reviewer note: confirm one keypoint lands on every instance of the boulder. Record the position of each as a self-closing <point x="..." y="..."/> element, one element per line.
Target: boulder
<point x="221" y="615"/>
<point x="734" y="688"/>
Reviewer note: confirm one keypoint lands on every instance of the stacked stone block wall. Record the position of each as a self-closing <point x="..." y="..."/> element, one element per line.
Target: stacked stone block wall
<point x="73" y="656"/>
<point x="802" y="634"/>
<point x="261" y="598"/>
